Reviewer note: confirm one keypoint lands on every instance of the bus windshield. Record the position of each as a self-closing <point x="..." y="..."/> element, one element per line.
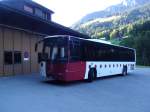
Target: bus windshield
<point x="57" y="53"/>
<point x="55" y="49"/>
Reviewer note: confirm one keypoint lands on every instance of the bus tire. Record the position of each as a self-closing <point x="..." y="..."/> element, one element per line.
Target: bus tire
<point x="124" y="71"/>
<point x="91" y="75"/>
<point x="95" y="73"/>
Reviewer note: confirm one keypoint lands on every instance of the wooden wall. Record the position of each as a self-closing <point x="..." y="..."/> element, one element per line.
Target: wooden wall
<point x="1" y="52"/>
<point x="16" y="40"/>
<point x="34" y="57"/>
<point x="8" y="46"/>
<point x="17" y="47"/>
<point x="26" y="48"/>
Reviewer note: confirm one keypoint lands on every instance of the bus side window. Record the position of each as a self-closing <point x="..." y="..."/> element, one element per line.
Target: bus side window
<point x="89" y="53"/>
<point x="86" y="53"/>
<point x="75" y="52"/>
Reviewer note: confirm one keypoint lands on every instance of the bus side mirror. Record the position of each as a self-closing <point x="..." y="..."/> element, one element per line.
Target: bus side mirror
<point x="36" y="45"/>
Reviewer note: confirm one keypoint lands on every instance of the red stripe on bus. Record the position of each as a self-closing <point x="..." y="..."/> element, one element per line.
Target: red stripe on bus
<point x="75" y="71"/>
<point x="67" y="72"/>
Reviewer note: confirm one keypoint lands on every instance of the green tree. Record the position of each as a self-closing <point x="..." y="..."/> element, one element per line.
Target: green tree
<point x="143" y="48"/>
<point x="114" y="34"/>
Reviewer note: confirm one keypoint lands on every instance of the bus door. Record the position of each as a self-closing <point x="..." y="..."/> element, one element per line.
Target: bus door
<point x="76" y="66"/>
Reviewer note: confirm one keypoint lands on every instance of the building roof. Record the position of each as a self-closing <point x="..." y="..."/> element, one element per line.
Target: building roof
<point x="38" y="5"/>
<point x="19" y="19"/>
<point x="29" y="2"/>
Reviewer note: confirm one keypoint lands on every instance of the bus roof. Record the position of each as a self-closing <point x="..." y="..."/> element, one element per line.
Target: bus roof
<point x="92" y="40"/>
<point x="99" y="41"/>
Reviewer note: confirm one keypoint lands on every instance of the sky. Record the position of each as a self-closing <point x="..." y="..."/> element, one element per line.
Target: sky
<point x="67" y="12"/>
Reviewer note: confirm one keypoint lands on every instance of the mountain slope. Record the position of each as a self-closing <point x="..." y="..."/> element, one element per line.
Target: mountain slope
<point x="102" y="24"/>
<point x="113" y="10"/>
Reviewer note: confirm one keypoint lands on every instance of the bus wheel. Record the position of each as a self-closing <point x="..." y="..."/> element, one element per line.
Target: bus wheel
<point x="124" y="71"/>
<point x="91" y="75"/>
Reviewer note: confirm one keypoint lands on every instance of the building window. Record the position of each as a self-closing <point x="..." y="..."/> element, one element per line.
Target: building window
<point x="12" y="57"/>
<point x="17" y="57"/>
<point x="46" y="16"/>
<point x="39" y="13"/>
<point x="8" y="57"/>
<point x="28" y="8"/>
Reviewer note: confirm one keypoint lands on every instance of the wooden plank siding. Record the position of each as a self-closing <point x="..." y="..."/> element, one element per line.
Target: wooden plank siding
<point x="34" y="57"/>
<point x="17" y="48"/>
<point x="8" y="46"/>
<point x="14" y="40"/>
<point x="1" y="51"/>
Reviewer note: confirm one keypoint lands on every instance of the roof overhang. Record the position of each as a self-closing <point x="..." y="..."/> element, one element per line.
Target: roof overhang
<point x="19" y="19"/>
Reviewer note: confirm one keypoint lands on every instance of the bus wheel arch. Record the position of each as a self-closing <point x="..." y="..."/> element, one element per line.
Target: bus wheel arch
<point x="92" y="74"/>
<point x="95" y="73"/>
<point x="125" y="70"/>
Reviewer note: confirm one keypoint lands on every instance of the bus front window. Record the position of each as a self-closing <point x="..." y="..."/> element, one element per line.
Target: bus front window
<point x="54" y="53"/>
<point x="58" y="54"/>
<point x="62" y="52"/>
<point x="57" y="49"/>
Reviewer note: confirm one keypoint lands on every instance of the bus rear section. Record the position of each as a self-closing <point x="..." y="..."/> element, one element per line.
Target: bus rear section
<point x="59" y="59"/>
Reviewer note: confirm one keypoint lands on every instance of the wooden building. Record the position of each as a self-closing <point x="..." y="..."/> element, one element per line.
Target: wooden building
<point x="22" y="24"/>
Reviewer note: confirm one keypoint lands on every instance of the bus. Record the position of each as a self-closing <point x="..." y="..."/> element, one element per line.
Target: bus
<point x="69" y="58"/>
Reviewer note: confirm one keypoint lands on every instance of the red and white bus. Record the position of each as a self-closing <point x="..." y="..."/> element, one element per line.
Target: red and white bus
<point x="69" y="58"/>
